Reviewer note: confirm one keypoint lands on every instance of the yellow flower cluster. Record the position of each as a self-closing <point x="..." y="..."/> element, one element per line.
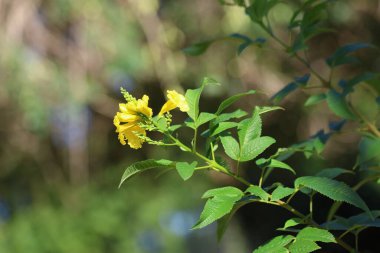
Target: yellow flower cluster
<point x="136" y="112"/>
<point x="132" y="113"/>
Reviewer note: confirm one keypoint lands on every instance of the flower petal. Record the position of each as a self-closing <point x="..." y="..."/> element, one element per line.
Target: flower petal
<point x="168" y="106"/>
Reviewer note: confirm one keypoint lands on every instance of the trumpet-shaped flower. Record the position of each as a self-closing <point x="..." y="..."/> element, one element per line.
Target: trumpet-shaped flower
<point x="175" y="100"/>
<point x="132" y="114"/>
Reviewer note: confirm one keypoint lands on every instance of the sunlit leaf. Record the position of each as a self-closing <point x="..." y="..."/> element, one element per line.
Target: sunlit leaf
<point x="292" y="222"/>
<point x="281" y="192"/>
<point x="205" y="117"/>
<point x="255" y="147"/>
<point x="249" y="129"/>
<point x="303" y="246"/>
<point x="265" y="109"/>
<point x="220" y="203"/>
<point x="315" y="234"/>
<point x="276" y="245"/>
<point x="185" y="170"/>
<point x="258" y="191"/>
<point x="231" y="147"/>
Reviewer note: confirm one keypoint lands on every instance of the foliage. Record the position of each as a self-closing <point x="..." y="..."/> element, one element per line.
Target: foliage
<point x="236" y="137"/>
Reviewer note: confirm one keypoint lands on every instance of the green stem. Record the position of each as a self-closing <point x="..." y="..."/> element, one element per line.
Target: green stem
<point x="195" y="139"/>
<point x="349" y="230"/>
<point x="212" y="163"/>
<point x="311" y="205"/>
<point x="266" y="174"/>
<point x="203" y="167"/>
<point x="291" y="196"/>
<point x="261" y="177"/>
<point x="212" y="151"/>
<point x="356" y="242"/>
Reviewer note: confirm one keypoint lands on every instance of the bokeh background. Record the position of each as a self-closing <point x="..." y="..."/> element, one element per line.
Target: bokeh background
<point x="62" y="63"/>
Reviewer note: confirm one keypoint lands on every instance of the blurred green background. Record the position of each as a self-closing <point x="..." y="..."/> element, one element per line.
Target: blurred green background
<point x="62" y="63"/>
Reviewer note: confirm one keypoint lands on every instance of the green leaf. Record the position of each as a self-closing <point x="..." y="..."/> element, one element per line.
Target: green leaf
<point x="259" y="9"/>
<point x="365" y="220"/>
<point x="198" y="48"/>
<point x="341" y="54"/>
<point x="281" y="192"/>
<point x="227" y="116"/>
<point x="247" y="41"/>
<point x="223" y="126"/>
<point x="276" y="245"/>
<point x="265" y="109"/>
<point x="258" y="191"/>
<point x="192" y="98"/>
<point x="173" y="128"/>
<point x="362" y="77"/>
<point x="208" y="80"/>
<point x="229" y="101"/>
<point x="220" y="203"/>
<point x="315" y="234"/>
<point x="255" y="147"/>
<point x="205" y="117"/>
<point x="306" y="238"/>
<point x="369" y="152"/>
<point x="364" y="102"/>
<point x="333" y="172"/>
<point x="143" y="166"/>
<point x="161" y="123"/>
<point x="315" y="99"/>
<point x="278" y="164"/>
<point x="303" y="246"/>
<point x="337" y="103"/>
<point x="239" y="2"/>
<point x="375" y="83"/>
<point x="292" y="222"/>
<point x="335" y="190"/>
<point x="309" y="25"/>
<point x="362" y="220"/>
<point x="249" y="129"/>
<point x="290" y="87"/>
<point x="190" y="123"/>
<point x="279" y="96"/>
<point x="185" y="170"/>
<point x="231" y="147"/>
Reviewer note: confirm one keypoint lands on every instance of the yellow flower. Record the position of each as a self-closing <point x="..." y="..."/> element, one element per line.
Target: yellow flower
<point x="132" y="113"/>
<point x="175" y="100"/>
